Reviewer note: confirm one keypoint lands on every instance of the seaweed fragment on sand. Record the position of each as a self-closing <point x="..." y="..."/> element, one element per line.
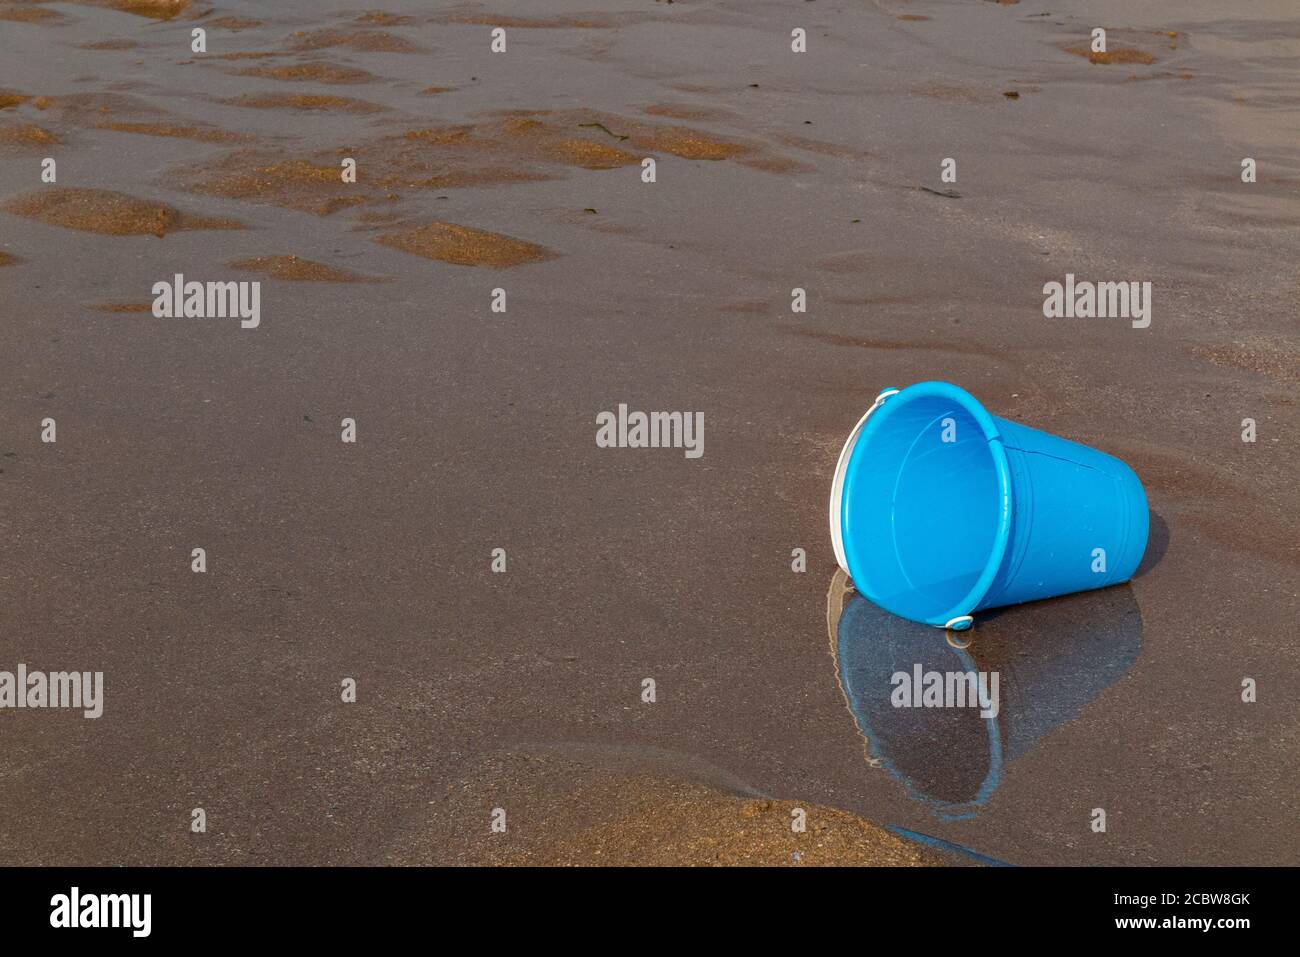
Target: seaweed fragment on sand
<point x="945" y="193"/>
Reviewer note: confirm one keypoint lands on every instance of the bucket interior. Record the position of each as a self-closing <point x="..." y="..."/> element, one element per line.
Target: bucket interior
<point x="925" y="506"/>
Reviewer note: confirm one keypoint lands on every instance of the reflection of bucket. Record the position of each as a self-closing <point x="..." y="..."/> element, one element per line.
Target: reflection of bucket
<point x="939" y="509"/>
<point x="1052" y="662"/>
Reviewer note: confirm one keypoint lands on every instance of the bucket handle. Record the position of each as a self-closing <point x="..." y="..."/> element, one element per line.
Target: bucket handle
<point x="837" y="484"/>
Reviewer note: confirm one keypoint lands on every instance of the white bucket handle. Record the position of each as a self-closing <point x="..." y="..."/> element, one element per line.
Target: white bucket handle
<point x="837" y="483"/>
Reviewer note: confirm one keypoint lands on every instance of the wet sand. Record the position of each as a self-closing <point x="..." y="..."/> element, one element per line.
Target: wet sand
<point x="475" y="429"/>
<point x="104" y="211"/>
<point x="603" y="807"/>
<point x="296" y="269"/>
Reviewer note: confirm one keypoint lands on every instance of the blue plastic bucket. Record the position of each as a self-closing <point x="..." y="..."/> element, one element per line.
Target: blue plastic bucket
<point x="939" y="509"/>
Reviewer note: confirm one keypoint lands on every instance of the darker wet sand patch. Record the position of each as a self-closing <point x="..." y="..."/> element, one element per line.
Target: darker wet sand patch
<point x="912" y="17"/>
<point x="951" y="93"/>
<point x="316" y="71"/>
<point x="1258" y="522"/>
<point x="441" y="135"/>
<point x="885" y="345"/>
<point x="153" y="9"/>
<point x="107" y="212"/>
<point x="1162" y="75"/>
<point x="244" y="55"/>
<point x="525" y="22"/>
<point x="1256" y="530"/>
<point x="699" y="88"/>
<point x="374" y="218"/>
<point x="501" y="150"/>
<point x="689" y="143"/>
<point x="294" y="184"/>
<point x="682" y="141"/>
<point x="600" y="21"/>
<point x="660" y="823"/>
<point x="1113" y="55"/>
<point x="748" y="307"/>
<point x="30" y="15"/>
<point x="93" y="107"/>
<point x="304" y="101"/>
<point x="518" y="147"/>
<point x="234" y="24"/>
<point x="8" y="259"/>
<point x="27" y="135"/>
<point x="508" y="150"/>
<point x="461" y="177"/>
<point x="685" y="111"/>
<point x="382" y="18"/>
<point x="589" y="218"/>
<point x="822" y="147"/>
<point x="588" y="155"/>
<point x="361" y="41"/>
<point x="121" y="43"/>
<point x="297" y="269"/>
<point x="780" y="165"/>
<point x="465" y="246"/>
<point x="1276" y="358"/>
<point x="626" y="806"/>
<point x="525" y="126"/>
<point x="124" y="308"/>
<point x="435" y="90"/>
<point x="200" y="134"/>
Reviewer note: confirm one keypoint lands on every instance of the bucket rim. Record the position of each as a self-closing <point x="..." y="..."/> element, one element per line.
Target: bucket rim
<point x="989" y="426"/>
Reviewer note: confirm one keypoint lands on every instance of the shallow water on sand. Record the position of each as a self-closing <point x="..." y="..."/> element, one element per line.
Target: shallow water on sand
<point x="479" y="171"/>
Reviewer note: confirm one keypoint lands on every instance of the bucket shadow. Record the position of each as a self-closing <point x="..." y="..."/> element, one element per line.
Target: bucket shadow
<point x="1051" y="657"/>
<point x="1157" y="545"/>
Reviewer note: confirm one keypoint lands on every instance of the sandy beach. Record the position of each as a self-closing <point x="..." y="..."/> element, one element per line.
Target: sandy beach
<point x="522" y="172"/>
